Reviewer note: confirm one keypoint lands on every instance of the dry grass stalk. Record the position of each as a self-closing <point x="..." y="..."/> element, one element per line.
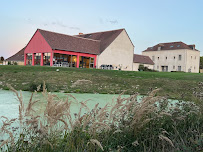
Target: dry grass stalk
<point x="162" y="137"/>
<point x="4" y="142"/>
<point x="94" y="141"/>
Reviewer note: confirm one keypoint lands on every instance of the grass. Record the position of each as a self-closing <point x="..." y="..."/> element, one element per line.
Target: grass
<point x="174" y="85"/>
<point x="127" y="125"/>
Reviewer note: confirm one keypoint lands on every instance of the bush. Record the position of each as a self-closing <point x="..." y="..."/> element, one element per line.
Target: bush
<point x="143" y="68"/>
<point x="37" y="87"/>
<point x="15" y="63"/>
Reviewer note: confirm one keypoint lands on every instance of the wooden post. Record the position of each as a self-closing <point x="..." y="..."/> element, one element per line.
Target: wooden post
<point x="33" y="59"/>
<point x="78" y="61"/>
<point x="51" y="59"/>
<point x="25" y="59"/>
<point x="42" y="59"/>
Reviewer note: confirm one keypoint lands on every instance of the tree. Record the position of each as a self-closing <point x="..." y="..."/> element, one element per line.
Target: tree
<point x="201" y="62"/>
<point x="2" y="58"/>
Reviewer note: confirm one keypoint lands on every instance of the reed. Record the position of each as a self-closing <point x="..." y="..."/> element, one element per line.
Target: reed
<point x="152" y="124"/>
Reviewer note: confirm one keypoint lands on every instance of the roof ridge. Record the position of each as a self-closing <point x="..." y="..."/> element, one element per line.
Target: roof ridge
<point x="141" y="55"/>
<point x="69" y="35"/>
<point x="102" y="31"/>
<point x="172" y="42"/>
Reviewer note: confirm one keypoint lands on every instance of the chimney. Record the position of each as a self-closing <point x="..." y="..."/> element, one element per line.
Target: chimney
<point x="159" y="48"/>
<point x="193" y="47"/>
<point x="80" y="33"/>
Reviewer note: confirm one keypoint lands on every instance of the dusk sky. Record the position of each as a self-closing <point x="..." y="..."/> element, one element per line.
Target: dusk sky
<point x="148" y="22"/>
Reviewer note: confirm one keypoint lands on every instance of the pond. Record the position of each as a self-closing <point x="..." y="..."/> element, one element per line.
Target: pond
<point x="9" y="103"/>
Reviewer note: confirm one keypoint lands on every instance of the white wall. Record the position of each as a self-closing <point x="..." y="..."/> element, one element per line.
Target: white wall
<point x="119" y="53"/>
<point x="172" y="62"/>
<point x="193" y="59"/>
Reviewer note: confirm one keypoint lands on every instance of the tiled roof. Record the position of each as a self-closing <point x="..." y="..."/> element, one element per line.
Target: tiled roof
<point x="105" y="38"/>
<point x="71" y="43"/>
<point x="170" y="46"/>
<point x="142" y="59"/>
<point x="19" y="56"/>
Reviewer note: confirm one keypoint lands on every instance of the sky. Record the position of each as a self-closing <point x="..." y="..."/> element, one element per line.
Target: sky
<point x="148" y="22"/>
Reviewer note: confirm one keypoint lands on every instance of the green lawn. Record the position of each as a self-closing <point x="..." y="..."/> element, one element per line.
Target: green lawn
<point x="174" y="85"/>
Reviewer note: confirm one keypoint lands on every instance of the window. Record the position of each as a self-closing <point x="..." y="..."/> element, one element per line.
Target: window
<point x="178" y="46"/>
<point x="195" y="57"/>
<point x="171" y="46"/>
<point x="157" y="67"/>
<point x="179" y="68"/>
<point x="166" y="58"/>
<point x="29" y="59"/>
<point x="174" y="67"/>
<point x="180" y="57"/>
<point x="191" y="57"/>
<point x="158" y="58"/>
<point x="174" y="57"/>
<point x="152" y="58"/>
<point x="47" y="58"/>
<point x="159" y="48"/>
<point x="37" y="58"/>
<point x="194" y="67"/>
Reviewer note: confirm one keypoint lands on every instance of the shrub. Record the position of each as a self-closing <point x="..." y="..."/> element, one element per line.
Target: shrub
<point x="143" y="68"/>
<point x="37" y="86"/>
<point x="15" y="63"/>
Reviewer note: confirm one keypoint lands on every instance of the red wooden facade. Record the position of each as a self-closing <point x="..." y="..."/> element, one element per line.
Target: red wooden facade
<point x="38" y="44"/>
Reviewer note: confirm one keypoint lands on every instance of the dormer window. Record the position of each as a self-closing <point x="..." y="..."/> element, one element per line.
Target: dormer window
<point x="152" y="58"/>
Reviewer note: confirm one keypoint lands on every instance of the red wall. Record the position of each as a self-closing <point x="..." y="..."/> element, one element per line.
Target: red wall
<point x="38" y="44"/>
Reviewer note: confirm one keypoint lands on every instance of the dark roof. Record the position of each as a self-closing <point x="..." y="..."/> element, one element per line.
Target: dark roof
<point x="19" y="56"/>
<point x="70" y="43"/>
<point x="142" y="59"/>
<point x="105" y="38"/>
<point x="171" y="46"/>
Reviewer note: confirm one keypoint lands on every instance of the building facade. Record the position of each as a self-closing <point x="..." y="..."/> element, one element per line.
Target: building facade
<point x="142" y="60"/>
<point x="17" y="58"/>
<point x="81" y="51"/>
<point x="174" y="56"/>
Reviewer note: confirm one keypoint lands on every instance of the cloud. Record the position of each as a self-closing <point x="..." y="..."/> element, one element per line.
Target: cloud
<point x="113" y="21"/>
<point x="101" y="20"/>
<point x="74" y="28"/>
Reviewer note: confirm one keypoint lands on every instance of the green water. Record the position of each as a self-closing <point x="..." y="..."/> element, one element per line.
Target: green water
<point x="9" y="103"/>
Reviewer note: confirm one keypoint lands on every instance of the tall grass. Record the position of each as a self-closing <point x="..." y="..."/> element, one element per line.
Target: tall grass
<point x="153" y="124"/>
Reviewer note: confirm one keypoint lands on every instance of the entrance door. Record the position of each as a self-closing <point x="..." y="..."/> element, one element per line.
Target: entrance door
<point x="162" y="67"/>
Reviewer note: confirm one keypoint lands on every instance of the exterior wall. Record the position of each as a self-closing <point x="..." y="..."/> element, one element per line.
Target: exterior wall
<point x="172" y="62"/>
<point x="12" y="62"/>
<point x="193" y="60"/>
<point x="201" y="70"/>
<point x="119" y="53"/>
<point x="136" y="66"/>
<point x="38" y="44"/>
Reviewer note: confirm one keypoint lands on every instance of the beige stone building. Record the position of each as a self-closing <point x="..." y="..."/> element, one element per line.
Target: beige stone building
<point x="116" y="49"/>
<point x="142" y="60"/>
<point x="174" y="56"/>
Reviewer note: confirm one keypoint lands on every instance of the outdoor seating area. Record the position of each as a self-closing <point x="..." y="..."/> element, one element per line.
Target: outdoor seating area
<point x="106" y="67"/>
